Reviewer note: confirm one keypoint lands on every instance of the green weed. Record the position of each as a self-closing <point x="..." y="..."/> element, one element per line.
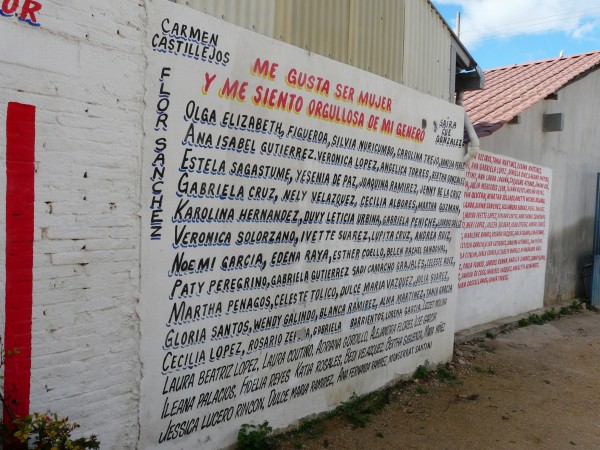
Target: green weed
<point x="535" y="319"/>
<point x="255" y="437"/>
<point x="486" y="347"/>
<point x="421" y="389"/>
<point x="358" y="410"/>
<point x="565" y="311"/>
<point x="549" y="315"/>
<point x="312" y="428"/>
<point x="420" y="372"/>
<point x="444" y="374"/>
<point x="355" y="411"/>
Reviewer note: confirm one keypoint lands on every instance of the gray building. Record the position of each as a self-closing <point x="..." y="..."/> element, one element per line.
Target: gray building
<point x="546" y="113"/>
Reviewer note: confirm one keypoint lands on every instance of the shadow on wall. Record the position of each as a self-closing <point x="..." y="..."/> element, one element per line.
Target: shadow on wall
<point x="567" y="250"/>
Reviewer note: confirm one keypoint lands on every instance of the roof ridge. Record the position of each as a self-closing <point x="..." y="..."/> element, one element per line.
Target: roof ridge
<point x="541" y="61"/>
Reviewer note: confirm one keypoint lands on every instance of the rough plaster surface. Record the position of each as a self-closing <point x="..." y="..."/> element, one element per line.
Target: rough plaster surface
<point x="82" y="69"/>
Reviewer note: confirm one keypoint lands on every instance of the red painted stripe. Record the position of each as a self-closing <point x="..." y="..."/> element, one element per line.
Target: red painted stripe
<point x="20" y="173"/>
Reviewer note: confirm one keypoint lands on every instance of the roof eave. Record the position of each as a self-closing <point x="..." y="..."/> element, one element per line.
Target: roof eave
<point x="468" y="72"/>
<point x="470" y="80"/>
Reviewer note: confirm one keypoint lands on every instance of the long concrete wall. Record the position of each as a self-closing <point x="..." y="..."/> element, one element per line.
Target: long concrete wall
<point x="299" y="228"/>
<point x="572" y="155"/>
<point x="76" y="79"/>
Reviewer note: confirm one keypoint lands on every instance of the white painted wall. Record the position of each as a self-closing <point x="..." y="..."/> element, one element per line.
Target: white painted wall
<point x="572" y="155"/>
<point x="504" y="237"/>
<point x="83" y="70"/>
<point x="422" y="324"/>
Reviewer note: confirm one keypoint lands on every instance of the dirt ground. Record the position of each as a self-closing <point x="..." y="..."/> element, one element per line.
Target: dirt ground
<point x="533" y="387"/>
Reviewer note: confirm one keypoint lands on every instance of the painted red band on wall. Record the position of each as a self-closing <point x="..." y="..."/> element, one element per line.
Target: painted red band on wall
<point x="20" y="173"/>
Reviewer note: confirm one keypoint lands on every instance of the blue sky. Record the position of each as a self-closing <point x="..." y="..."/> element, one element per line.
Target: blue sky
<point x="504" y="32"/>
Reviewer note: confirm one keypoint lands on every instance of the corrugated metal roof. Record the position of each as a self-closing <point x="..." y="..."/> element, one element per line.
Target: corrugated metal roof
<point x="511" y="90"/>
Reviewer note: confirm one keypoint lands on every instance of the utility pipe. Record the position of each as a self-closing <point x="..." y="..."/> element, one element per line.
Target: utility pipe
<point x="473" y="145"/>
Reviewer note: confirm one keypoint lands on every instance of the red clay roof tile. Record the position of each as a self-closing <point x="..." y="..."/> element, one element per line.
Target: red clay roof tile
<point x="511" y="90"/>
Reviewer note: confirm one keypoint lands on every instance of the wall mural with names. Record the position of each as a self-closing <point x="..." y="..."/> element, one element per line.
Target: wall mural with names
<point x="300" y="220"/>
<point x="504" y="239"/>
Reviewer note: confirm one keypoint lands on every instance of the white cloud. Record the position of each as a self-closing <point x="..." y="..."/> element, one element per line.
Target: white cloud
<point x="586" y="29"/>
<point x="492" y="19"/>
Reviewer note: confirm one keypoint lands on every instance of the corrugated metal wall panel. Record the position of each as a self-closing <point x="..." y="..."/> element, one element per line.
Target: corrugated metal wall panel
<point x="426" y="50"/>
<point x="404" y="40"/>
<point x="315" y="25"/>
<point x="255" y="15"/>
<point x="377" y="37"/>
